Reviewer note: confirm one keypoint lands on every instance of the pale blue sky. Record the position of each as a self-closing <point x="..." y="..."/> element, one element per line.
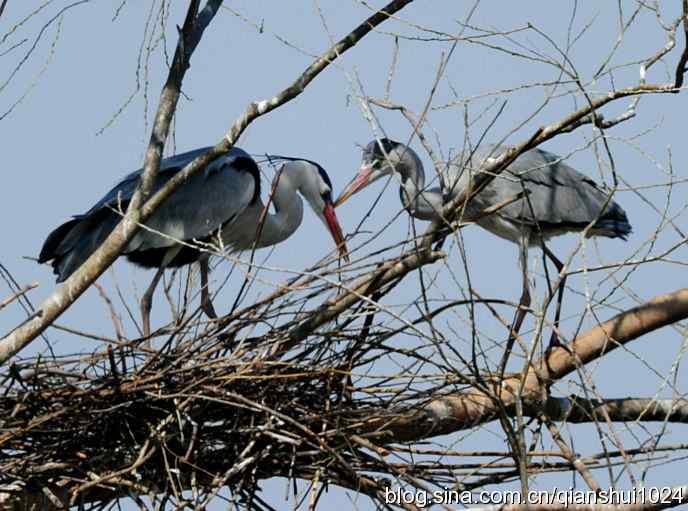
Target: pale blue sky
<point x="59" y="159"/>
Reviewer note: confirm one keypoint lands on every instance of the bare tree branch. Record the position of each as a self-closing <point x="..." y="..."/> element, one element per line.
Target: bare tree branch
<point x="6" y="301"/>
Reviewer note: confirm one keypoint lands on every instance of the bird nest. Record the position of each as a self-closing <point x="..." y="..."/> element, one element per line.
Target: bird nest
<point x="116" y="420"/>
<point x="199" y="409"/>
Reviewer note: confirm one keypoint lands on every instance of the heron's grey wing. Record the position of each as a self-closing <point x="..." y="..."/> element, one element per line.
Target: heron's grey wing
<point x="461" y="171"/>
<point x="122" y="192"/>
<point x="101" y="218"/>
<point x="71" y="244"/>
<point x="205" y="203"/>
<point x="179" y="161"/>
<point x="559" y="197"/>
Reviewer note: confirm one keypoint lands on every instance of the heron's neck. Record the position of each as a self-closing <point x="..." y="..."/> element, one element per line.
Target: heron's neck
<point x="421" y="203"/>
<point x="288" y="211"/>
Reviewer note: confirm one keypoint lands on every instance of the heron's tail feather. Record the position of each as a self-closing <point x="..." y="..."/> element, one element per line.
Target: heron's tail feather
<point x="613" y="223"/>
<point x="52" y="243"/>
<point x="73" y="242"/>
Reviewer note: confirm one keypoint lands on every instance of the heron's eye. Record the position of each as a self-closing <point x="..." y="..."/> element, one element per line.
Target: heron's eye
<point x="326" y="196"/>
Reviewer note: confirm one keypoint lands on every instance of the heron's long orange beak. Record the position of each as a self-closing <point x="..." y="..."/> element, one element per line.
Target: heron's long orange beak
<point x="361" y="181"/>
<point x="336" y="231"/>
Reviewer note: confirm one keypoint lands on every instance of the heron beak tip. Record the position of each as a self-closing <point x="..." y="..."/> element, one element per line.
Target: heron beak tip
<point x="336" y="231"/>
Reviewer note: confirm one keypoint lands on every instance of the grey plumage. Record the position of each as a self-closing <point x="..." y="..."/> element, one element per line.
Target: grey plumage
<point x="559" y="198"/>
<point x="207" y="201"/>
<point x="296" y="177"/>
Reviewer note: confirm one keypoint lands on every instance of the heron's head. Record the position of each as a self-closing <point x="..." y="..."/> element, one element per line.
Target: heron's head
<point x="315" y="186"/>
<point x="380" y="158"/>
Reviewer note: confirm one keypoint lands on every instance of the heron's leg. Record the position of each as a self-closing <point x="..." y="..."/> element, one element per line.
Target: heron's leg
<point x="147" y="301"/>
<point x="523" y="305"/>
<point x="525" y="293"/>
<point x="206" y="303"/>
<point x="554" y="339"/>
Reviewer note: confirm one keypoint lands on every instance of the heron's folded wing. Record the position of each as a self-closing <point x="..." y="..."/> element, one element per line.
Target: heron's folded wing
<point x="204" y="205"/>
<point x="558" y="194"/>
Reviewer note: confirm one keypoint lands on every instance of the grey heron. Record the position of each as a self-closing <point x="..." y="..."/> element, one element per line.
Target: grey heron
<point x="224" y="199"/>
<point x="556" y="199"/>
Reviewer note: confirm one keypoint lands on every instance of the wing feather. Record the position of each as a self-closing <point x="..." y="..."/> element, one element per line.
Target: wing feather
<point x="558" y="194"/>
<point x="206" y="202"/>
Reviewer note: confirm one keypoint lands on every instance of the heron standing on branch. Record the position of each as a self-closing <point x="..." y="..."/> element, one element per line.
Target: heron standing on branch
<point x="556" y="199"/>
<point x="222" y="200"/>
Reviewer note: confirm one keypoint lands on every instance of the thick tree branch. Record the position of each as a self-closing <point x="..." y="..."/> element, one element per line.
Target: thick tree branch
<point x="468" y="409"/>
<point x="577" y="409"/>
